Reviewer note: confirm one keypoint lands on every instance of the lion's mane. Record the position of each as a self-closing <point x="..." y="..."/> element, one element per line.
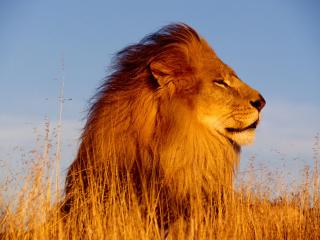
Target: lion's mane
<point x="147" y="131"/>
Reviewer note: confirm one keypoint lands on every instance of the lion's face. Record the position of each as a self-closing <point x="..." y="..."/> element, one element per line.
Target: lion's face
<point x="220" y="100"/>
<point x="226" y="104"/>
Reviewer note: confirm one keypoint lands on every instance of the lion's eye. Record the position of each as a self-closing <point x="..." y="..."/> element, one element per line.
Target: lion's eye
<point x="220" y="82"/>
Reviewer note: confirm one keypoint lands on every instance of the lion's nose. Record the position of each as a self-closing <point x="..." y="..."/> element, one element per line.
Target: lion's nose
<point x="259" y="103"/>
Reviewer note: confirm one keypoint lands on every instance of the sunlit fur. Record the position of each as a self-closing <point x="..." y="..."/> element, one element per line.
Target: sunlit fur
<point x="160" y="119"/>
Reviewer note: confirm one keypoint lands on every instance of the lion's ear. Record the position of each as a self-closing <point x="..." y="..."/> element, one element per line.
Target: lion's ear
<point x="161" y="72"/>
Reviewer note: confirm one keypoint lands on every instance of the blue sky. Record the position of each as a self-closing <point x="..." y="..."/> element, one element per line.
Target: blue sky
<point x="273" y="45"/>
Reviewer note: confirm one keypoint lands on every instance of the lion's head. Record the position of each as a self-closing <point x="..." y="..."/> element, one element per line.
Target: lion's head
<point x="226" y="104"/>
<point x="171" y="112"/>
<point x="211" y="89"/>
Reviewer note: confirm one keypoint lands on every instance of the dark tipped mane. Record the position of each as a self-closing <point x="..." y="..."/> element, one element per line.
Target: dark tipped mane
<point x="131" y="64"/>
<point x="133" y="60"/>
<point x="151" y="45"/>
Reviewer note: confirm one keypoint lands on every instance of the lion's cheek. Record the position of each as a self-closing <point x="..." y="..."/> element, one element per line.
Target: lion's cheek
<point x="212" y="123"/>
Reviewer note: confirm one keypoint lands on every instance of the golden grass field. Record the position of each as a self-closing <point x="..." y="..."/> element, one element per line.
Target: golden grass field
<point x="250" y="212"/>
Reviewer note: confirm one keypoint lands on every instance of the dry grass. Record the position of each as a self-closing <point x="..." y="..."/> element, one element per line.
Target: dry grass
<point x="251" y="212"/>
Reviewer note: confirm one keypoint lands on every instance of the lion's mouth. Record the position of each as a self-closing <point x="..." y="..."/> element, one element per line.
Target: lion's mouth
<point x="236" y="130"/>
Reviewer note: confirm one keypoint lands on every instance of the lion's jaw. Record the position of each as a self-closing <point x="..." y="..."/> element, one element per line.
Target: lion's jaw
<point x="242" y="138"/>
<point x="243" y="135"/>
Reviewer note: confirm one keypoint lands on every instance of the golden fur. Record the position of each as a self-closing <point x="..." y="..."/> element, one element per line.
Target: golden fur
<point x="171" y="117"/>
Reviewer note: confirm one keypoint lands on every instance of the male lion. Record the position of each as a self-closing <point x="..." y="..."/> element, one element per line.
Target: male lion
<point x="169" y="120"/>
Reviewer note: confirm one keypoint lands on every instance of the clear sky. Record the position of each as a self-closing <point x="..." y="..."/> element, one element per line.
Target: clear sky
<point x="273" y="45"/>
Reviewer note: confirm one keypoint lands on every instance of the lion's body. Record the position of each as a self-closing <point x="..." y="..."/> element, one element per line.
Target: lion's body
<point x="162" y="119"/>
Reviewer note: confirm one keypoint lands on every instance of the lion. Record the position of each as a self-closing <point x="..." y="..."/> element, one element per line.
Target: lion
<point x="170" y="119"/>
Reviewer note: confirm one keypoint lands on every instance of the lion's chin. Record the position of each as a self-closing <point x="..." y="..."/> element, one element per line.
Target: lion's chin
<point x="242" y="136"/>
<point x="245" y="137"/>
